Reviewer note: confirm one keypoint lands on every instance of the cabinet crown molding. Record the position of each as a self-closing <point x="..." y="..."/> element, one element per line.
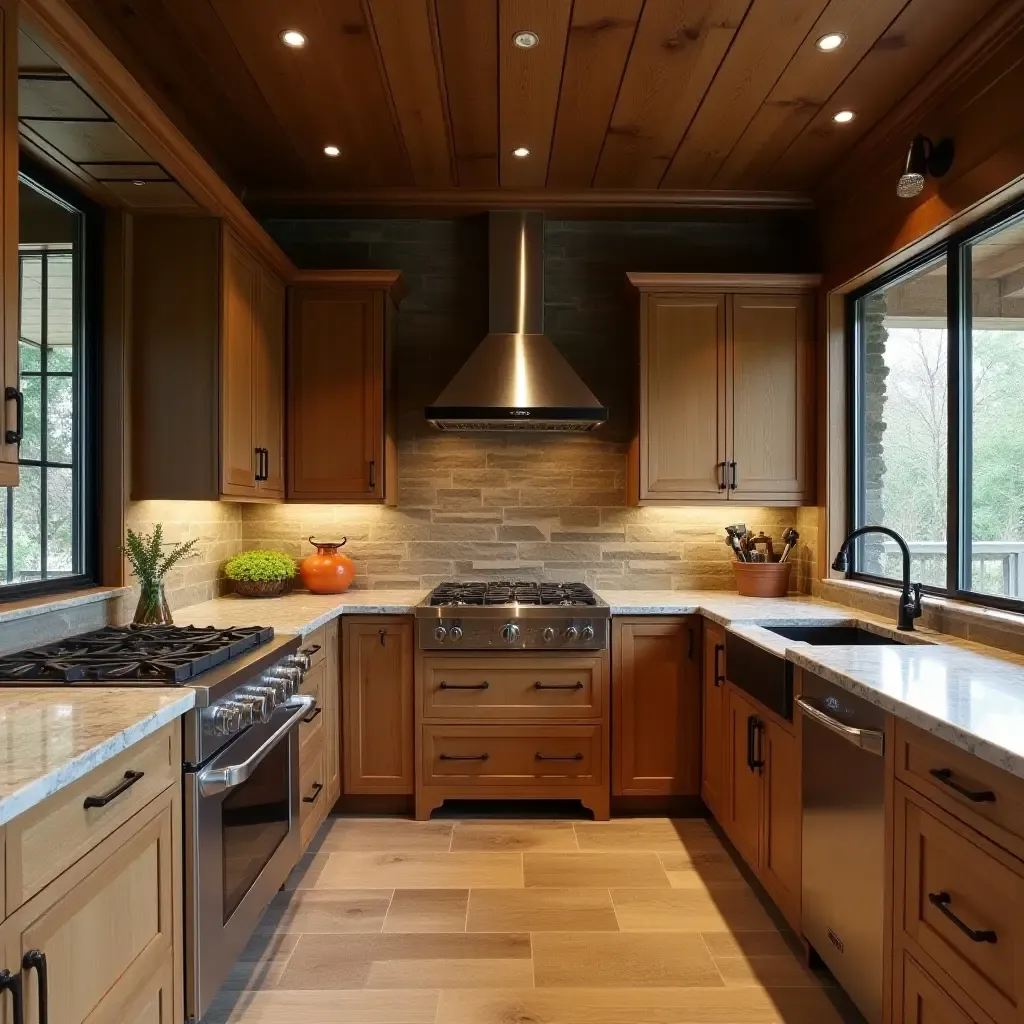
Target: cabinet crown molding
<point x="660" y="282"/>
<point x="390" y="281"/>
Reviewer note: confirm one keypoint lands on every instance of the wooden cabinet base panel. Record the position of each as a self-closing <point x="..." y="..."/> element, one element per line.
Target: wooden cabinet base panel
<point x="594" y="798"/>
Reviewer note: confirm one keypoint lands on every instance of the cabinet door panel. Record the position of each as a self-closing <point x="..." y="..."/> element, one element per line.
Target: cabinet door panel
<point x="769" y="342"/>
<point x="715" y="718"/>
<point x="682" y="396"/>
<point x="743" y="784"/>
<point x="782" y="839"/>
<point x="331" y="692"/>
<point x="378" y="706"/>
<point x="336" y="373"/>
<point x="657" y="708"/>
<point x="924" y="1002"/>
<point x="270" y="382"/>
<point x="238" y="370"/>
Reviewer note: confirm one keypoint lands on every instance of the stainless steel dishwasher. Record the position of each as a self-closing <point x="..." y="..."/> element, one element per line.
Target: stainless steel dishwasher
<point x="844" y="837"/>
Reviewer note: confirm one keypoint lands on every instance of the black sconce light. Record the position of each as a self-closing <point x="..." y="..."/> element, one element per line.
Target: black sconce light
<point x="924" y="158"/>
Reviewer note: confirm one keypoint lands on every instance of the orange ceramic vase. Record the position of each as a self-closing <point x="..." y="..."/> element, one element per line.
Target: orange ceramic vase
<point x="328" y="571"/>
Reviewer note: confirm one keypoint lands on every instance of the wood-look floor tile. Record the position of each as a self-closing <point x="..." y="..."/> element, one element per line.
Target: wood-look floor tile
<point x="306" y="872"/>
<point x="540" y="910"/>
<point x="429" y="910"/>
<point x="767" y="971"/>
<point x="724" y="907"/>
<point x="750" y="943"/>
<point x="262" y="947"/>
<point x="396" y="1006"/>
<point x="614" y="959"/>
<point x="514" y="836"/>
<point x="327" y="962"/>
<point x="326" y="910"/>
<point x="451" y="973"/>
<point x="601" y="870"/>
<point x="256" y="974"/>
<point x="385" y="835"/>
<point x="718" y="1005"/>
<point x="657" y="834"/>
<point x="700" y="864"/>
<point x="422" y="871"/>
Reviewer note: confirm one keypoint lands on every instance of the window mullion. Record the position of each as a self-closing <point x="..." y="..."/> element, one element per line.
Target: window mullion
<point x="956" y="485"/>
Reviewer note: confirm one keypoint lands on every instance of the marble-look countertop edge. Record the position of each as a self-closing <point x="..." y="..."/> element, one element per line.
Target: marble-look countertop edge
<point x="47" y="784"/>
<point x="59" y="602"/>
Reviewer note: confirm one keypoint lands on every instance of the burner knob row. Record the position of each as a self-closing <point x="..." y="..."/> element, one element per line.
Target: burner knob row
<point x="455" y="633"/>
<point x="510" y="632"/>
<point x="571" y="633"/>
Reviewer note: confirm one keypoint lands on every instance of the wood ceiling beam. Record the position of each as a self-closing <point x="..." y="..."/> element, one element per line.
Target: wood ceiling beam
<point x="95" y="68"/>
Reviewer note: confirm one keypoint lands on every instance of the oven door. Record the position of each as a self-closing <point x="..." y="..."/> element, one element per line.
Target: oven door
<point x="241" y="841"/>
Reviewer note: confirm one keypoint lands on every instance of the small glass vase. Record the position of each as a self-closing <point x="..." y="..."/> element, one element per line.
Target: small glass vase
<point x="152" y="609"/>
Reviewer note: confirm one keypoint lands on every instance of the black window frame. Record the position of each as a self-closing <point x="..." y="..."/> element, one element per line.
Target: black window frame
<point x="959" y="409"/>
<point x="89" y="275"/>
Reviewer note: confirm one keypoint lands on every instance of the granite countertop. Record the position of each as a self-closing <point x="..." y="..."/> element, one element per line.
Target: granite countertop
<point x="50" y="737"/>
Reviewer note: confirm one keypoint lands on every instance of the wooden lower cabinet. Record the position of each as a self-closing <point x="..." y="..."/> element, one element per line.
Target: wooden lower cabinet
<point x="377" y="693"/>
<point x="762" y="798"/>
<point x="331" y="696"/>
<point x="656" y="707"/>
<point x="923" y="1001"/>
<point x="714" y="711"/>
<point x="109" y="928"/>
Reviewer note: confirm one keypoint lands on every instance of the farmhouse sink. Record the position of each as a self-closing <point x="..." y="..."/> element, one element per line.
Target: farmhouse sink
<point x="832" y="636"/>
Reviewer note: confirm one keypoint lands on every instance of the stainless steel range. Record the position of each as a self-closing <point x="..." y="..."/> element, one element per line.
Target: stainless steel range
<point x="521" y="615"/>
<point x="240" y="765"/>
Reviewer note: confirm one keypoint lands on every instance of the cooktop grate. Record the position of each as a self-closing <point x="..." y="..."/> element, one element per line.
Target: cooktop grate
<point x="506" y="592"/>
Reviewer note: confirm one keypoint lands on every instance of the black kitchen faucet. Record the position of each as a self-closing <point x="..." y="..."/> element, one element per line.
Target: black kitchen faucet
<point x="910" y="598"/>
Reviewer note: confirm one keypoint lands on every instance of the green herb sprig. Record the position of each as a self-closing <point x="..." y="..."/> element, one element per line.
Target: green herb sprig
<point x="145" y="552"/>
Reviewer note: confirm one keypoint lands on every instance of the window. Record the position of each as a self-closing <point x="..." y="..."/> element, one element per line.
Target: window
<point x="45" y="529"/>
<point x="938" y="416"/>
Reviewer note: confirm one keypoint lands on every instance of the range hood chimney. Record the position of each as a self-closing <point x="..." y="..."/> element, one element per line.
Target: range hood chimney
<point x="515" y="378"/>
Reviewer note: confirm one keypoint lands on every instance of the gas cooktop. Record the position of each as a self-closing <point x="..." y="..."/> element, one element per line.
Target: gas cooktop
<point x="153" y="655"/>
<point x="502" y="593"/>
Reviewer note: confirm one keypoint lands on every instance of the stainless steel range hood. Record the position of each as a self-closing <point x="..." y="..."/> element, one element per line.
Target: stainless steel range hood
<point x="515" y="378"/>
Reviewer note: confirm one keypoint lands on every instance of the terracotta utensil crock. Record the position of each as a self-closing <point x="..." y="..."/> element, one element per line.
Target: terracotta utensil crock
<point x="328" y="571"/>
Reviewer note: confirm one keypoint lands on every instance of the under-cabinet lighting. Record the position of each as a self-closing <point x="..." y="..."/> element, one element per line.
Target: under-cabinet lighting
<point x="332" y="150"/>
<point x="526" y="40"/>
<point x="843" y="116"/>
<point x="830" y="42"/>
<point x="521" y="152"/>
<point x="294" y="38"/>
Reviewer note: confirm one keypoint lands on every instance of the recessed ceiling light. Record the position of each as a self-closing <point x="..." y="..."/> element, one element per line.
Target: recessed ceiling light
<point x="138" y="181"/>
<point x="843" y="116"/>
<point x="332" y="150"/>
<point x="521" y="152"/>
<point x="526" y="40"/>
<point x="830" y="42"/>
<point x="294" y="38"/>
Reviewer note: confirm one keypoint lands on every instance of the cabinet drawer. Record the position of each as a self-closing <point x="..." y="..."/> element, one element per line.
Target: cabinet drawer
<point x="312" y="798"/>
<point x="315" y="646"/>
<point x="974" y="790"/>
<point x="962" y="903"/>
<point x="311" y="728"/>
<point x="513" y="688"/>
<point x="924" y="1002"/>
<point x="45" y="841"/>
<point x="510" y="755"/>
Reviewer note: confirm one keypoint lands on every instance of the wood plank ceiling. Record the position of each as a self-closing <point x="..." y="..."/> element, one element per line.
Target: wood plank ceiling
<point x="618" y="94"/>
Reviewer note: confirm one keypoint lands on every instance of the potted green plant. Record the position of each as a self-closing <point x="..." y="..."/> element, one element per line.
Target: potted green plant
<point x="260" y="573"/>
<point x="150" y="565"/>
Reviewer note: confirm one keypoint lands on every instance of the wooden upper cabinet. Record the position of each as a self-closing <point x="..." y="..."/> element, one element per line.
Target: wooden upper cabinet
<point x="724" y="411"/>
<point x="9" y="297"/>
<point x="341" y="437"/>
<point x="207" y="365"/>
<point x="682" y="396"/>
<point x="656" y="688"/>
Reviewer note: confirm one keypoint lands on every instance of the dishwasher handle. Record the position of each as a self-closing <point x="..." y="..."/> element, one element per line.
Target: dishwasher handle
<point x="871" y="741"/>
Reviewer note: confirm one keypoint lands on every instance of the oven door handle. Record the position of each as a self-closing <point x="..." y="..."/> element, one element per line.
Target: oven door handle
<point x="215" y="780"/>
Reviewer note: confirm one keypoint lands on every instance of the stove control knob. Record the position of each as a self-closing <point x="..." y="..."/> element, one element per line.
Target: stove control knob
<point x="510" y="632"/>
<point x="300" y="661"/>
<point x="588" y="633"/>
<point x="571" y="633"/>
<point x="285" y="678"/>
<point x="259" y="709"/>
<point x="267" y="698"/>
<point x="226" y="718"/>
<point x="440" y="633"/>
<point x="455" y="633"/>
<point x="548" y="634"/>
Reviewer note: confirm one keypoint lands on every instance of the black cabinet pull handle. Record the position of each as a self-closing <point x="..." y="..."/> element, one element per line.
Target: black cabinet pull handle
<point x="35" y="960"/>
<point x="557" y="686"/>
<point x="259" y="463"/>
<point x="373" y="475"/>
<point x="266" y="463"/>
<point x="757" y="763"/>
<point x="12" y="983"/>
<point x="721" y="466"/>
<point x="732" y="477"/>
<point x="942" y="900"/>
<point x="976" y="796"/>
<point x="382" y="633"/>
<point x="310" y="651"/>
<point x="465" y="757"/>
<point x="14" y="395"/>
<point x="318" y="788"/>
<point x="129" y="780"/>
<point x="719" y="674"/>
<point x="558" y="757"/>
<point x="316" y="712"/>
<point x="750" y="742"/>
<point x="465" y="686"/>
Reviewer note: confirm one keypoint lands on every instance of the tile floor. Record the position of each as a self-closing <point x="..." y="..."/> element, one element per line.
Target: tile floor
<point x="542" y="922"/>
